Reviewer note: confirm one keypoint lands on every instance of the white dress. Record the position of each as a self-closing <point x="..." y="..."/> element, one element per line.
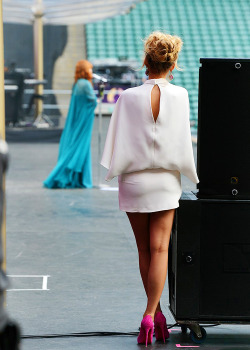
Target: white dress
<point x="148" y="156"/>
<point x="149" y="190"/>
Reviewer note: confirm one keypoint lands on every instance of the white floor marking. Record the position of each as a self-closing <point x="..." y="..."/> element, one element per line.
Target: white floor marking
<point x="44" y="283"/>
<point x="109" y="188"/>
<point x="28" y="275"/>
<point x="21" y="290"/>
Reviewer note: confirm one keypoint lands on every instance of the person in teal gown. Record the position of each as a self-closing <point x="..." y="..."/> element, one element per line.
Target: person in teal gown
<point x="74" y="166"/>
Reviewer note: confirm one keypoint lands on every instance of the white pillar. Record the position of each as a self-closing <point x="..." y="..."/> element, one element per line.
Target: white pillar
<point x="38" y="51"/>
<point x="2" y="99"/>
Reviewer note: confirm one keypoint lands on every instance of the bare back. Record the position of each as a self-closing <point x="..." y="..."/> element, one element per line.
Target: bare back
<point x="155" y="101"/>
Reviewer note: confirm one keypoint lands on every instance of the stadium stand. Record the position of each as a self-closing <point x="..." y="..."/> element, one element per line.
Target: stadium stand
<point x="209" y="28"/>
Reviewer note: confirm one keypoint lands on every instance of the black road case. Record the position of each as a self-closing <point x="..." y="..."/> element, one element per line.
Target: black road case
<point x="209" y="263"/>
<point x="223" y="162"/>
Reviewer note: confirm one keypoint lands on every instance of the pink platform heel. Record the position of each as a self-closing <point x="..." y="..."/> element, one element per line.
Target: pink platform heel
<point x="161" y="330"/>
<point x="146" y="332"/>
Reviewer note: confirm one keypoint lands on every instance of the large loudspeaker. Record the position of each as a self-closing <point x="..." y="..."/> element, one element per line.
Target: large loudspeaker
<point x="209" y="260"/>
<point x="223" y="149"/>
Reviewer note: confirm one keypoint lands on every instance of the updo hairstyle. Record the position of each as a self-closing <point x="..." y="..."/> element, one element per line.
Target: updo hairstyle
<point x="82" y="70"/>
<point x="161" y="52"/>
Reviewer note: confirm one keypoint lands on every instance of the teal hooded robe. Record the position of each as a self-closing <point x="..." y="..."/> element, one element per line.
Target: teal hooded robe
<point x="74" y="167"/>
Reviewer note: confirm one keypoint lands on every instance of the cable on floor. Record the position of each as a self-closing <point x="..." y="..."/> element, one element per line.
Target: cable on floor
<point x="81" y="334"/>
<point x="97" y="334"/>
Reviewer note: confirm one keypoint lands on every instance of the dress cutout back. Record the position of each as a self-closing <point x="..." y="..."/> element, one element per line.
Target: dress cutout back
<point x="155" y="101"/>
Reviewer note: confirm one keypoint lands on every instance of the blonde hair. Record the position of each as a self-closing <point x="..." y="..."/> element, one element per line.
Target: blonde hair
<point x="161" y="52"/>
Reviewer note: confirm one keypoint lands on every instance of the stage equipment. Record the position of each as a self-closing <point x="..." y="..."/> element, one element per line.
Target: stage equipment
<point x="209" y="263"/>
<point x="34" y="100"/>
<point x="14" y="88"/>
<point x="223" y="148"/>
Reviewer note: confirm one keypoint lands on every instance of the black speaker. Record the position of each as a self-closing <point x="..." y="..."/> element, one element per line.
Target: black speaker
<point x="209" y="260"/>
<point x="223" y="162"/>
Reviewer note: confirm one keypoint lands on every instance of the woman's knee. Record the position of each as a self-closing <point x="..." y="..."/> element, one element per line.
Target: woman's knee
<point x="160" y="231"/>
<point x="159" y="249"/>
<point x="159" y="241"/>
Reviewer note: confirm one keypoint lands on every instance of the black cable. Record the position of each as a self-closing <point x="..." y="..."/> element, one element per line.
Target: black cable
<point x="210" y="325"/>
<point x="99" y="334"/>
<point x="81" y="334"/>
<point x="173" y="325"/>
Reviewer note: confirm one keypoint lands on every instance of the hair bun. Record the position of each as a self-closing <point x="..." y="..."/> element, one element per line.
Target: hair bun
<point x="162" y="47"/>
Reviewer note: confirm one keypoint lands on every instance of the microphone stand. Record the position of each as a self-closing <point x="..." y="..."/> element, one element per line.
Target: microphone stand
<point x="101" y="87"/>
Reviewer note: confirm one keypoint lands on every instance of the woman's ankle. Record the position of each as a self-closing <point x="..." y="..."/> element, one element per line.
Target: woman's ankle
<point x="158" y="309"/>
<point x="148" y="313"/>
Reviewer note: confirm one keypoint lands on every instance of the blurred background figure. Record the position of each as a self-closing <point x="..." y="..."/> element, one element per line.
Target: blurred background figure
<point x="74" y="167"/>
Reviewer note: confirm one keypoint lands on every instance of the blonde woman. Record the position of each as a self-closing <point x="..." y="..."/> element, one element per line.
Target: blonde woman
<point x="148" y="146"/>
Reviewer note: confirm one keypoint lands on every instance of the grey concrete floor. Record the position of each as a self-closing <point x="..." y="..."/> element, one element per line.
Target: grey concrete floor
<point x="81" y="240"/>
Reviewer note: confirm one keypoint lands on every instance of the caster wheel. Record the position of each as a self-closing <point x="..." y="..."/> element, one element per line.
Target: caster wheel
<point x="10" y="337"/>
<point x="197" y="340"/>
<point x="183" y="328"/>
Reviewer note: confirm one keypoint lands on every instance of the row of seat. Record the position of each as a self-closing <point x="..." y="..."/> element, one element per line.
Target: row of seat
<point x="162" y="20"/>
<point x="209" y="28"/>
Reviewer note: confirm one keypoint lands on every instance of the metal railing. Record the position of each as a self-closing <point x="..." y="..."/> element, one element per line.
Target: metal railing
<point x="56" y="92"/>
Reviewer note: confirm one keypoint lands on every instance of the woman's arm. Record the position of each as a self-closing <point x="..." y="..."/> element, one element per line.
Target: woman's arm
<point x="84" y="87"/>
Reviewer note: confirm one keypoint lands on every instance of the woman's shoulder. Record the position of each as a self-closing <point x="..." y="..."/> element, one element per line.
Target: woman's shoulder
<point x="180" y="90"/>
<point x="82" y="86"/>
<point x="133" y="91"/>
<point x="82" y="82"/>
<point x="139" y="89"/>
<point x="130" y="96"/>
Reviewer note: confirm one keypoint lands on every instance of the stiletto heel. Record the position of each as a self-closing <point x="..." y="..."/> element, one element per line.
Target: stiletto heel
<point x="146" y="332"/>
<point x="162" y="333"/>
<point x="161" y="330"/>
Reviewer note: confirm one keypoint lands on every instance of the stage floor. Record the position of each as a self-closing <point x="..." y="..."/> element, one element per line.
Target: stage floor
<point x="77" y="257"/>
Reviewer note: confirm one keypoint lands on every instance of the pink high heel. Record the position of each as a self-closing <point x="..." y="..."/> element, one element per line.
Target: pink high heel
<point x="161" y="330"/>
<point x="146" y="332"/>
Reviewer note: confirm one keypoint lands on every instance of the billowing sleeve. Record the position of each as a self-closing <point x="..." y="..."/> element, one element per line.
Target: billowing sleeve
<point x="187" y="157"/>
<point x="84" y="87"/>
<point x="90" y="93"/>
<point x="125" y="150"/>
<point x="109" y="147"/>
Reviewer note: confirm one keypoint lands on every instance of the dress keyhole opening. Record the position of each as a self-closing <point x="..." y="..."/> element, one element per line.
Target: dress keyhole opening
<point x="155" y="101"/>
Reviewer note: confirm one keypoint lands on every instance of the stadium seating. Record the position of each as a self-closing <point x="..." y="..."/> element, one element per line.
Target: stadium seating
<point x="209" y="28"/>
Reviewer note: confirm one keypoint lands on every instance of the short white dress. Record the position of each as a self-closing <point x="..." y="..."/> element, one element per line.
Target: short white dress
<point x="150" y="190"/>
<point x="149" y="156"/>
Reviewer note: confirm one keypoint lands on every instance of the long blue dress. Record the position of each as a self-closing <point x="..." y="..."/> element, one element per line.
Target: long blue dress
<point x="74" y="167"/>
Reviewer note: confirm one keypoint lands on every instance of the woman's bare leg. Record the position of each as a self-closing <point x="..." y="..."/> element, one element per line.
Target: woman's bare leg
<point x="140" y="225"/>
<point x="160" y="230"/>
